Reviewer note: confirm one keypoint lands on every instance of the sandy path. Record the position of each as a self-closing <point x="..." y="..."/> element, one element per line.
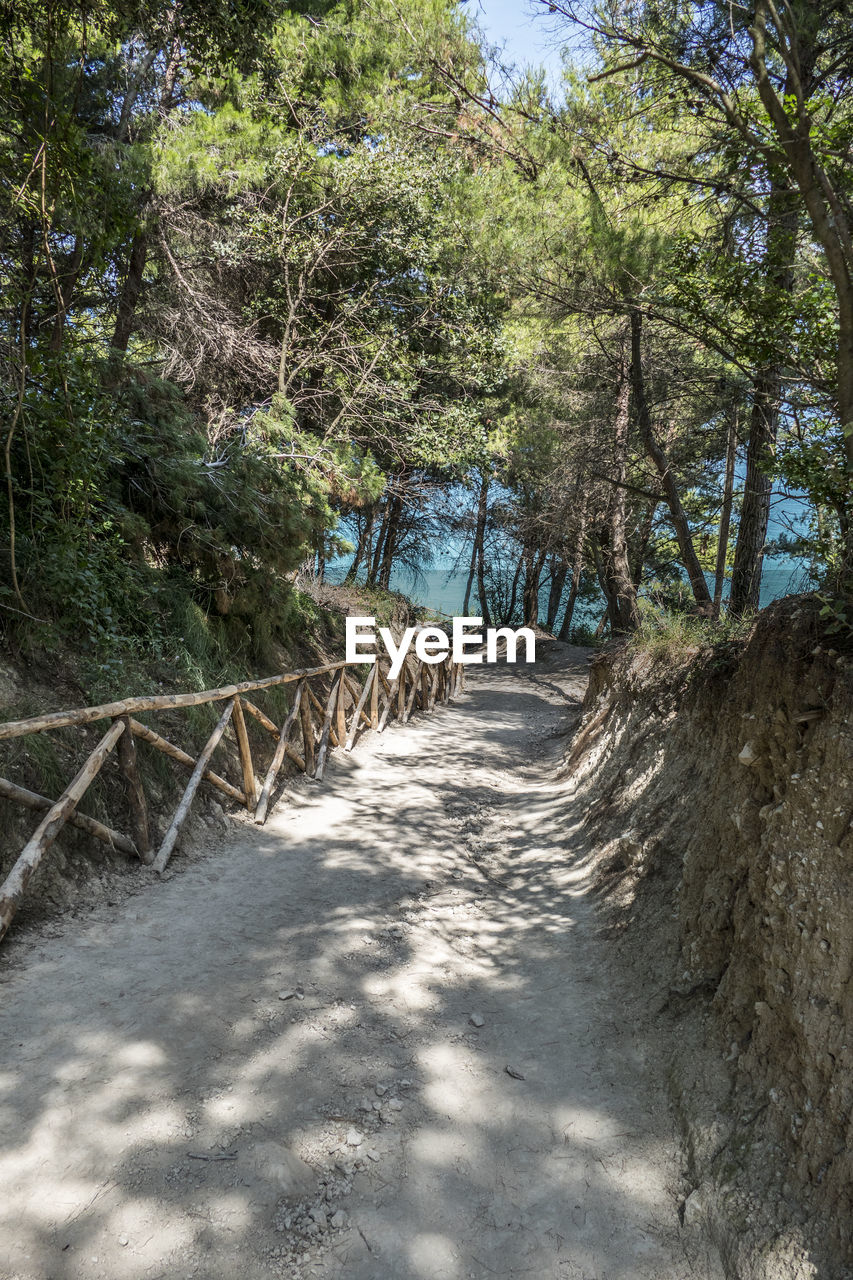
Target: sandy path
<point x="428" y="878"/>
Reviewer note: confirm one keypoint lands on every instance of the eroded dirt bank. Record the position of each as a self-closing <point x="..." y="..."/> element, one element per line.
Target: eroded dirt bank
<point x="380" y="1037"/>
<point x="719" y="791"/>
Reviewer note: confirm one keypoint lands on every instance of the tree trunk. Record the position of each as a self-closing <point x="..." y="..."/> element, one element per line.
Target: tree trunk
<point x="66" y="283"/>
<point x="513" y="595"/>
<point x="380" y="541"/>
<point x="481" y="554"/>
<point x="559" y="573"/>
<point x="533" y="572"/>
<point x="362" y="548"/>
<point x="643" y="539"/>
<point x="139" y="245"/>
<point x="621" y="592"/>
<point x="391" y="532"/>
<point x="830" y="218"/>
<point x="726" y="514"/>
<point x="577" y="570"/>
<point x="479" y="535"/>
<point x="601" y="554"/>
<point x="764" y="419"/>
<point x="677" y="514"/>
<point x="130" y="291"/>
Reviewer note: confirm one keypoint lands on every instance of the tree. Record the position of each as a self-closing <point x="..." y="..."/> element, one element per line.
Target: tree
<point x="779" y="79"/>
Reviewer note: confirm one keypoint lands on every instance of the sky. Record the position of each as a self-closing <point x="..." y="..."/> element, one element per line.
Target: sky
<point x="523" y="28"/>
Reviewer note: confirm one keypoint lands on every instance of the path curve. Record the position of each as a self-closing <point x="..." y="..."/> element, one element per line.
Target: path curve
<point x="450" y="1090"/>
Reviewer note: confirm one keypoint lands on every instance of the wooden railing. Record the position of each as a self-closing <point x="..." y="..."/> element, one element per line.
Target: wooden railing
<point x="316" y="720"/>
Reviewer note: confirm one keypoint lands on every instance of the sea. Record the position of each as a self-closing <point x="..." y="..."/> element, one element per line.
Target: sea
<point x="442" y="590"/>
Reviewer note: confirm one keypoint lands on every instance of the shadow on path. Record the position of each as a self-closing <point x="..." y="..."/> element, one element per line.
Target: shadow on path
<point x="160" y="1086"/>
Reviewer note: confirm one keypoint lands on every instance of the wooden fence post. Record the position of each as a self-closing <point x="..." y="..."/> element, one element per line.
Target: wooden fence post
<point x="336" y="692"/>
<point x="239" y="723"/>
<point x="134" y="792"/>
<point x="278" y="758"/>
<point x="433" y="692"/>
<point x="374" y="697"/>
<point x="359" y="706"/>
<point x="14" y="886"/>
<point x="341" y="714"/>
<point x="307" y="731"/>
<point x="183" y="808"/>
<point x="413" y="692"/>
<point x="389" y="703"/>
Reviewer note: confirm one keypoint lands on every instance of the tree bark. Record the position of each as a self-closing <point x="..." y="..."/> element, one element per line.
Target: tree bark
<point x="380" y="541"/>
<point x="643" y="538"/>
<point x="130" y="291"/>
<point x="513" y="596"/>
<point x="479" y="535"/>
<point x="132" y="284"/>
<point x="362" y="548"/>
<point x="533" y="572"/>
<point x="66" y="283"/>
<point x="391" y="532"/>
<point x="621" y="592"/>
<point x="764" y="418"/>
<point x="829" y="215"/>
<point x="726" y="514"/>
<point x="577" y="571"/>
<point x="481" y="560"/>
<point x="678" y="516"/>
<point x="559" y="573"/>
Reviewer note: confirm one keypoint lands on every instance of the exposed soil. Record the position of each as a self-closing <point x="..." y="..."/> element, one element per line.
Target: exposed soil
<point x="719" y="793"/>
<point x="383" y="1036"/>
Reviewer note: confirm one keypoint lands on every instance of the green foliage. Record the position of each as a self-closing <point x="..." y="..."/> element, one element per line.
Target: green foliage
<point x="672" y="633"/>
<point x="230" y="201"/>
<point x="271" y="265"/>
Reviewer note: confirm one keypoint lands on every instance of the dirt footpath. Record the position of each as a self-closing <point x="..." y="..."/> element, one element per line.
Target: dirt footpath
<point x="378" y="1038"/>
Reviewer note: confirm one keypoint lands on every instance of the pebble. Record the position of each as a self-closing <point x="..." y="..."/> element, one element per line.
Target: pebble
<point x="286" y="995"/>
<point x="123" y="1241"/>
<point x="339" y="1220"/>
<point x="354" y="1138"/>
<point x="512" y="1071"/>
<point x="380" y="1090"/>
<point x="477" y="1020"/>
<point x="372" y="1155"/>
<point x="395" y="1104"/>
<point x="318" y="1215"/>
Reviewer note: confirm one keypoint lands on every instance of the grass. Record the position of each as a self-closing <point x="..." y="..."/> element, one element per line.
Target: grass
<point x="668" y="634"/>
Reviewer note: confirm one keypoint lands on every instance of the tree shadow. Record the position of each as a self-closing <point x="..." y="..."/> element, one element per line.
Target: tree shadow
<point x="310" y="992"/>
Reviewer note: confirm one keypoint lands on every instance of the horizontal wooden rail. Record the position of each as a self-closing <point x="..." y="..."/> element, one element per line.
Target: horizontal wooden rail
<point x="12" y="889"/>
<point x="32" y="800"/>
<point x="164" y="702"/>
<point x="346" y="704"/>
<point x="183" y="757"/>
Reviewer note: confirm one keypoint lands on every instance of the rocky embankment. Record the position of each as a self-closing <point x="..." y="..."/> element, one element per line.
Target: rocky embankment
<point x="720" y="790"/>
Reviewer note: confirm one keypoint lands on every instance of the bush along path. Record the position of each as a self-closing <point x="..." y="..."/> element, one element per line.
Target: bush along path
<point x="379" y="1037"/>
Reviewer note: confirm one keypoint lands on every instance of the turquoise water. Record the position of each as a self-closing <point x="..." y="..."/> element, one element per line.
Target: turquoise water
<point x="444" y="591"/>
